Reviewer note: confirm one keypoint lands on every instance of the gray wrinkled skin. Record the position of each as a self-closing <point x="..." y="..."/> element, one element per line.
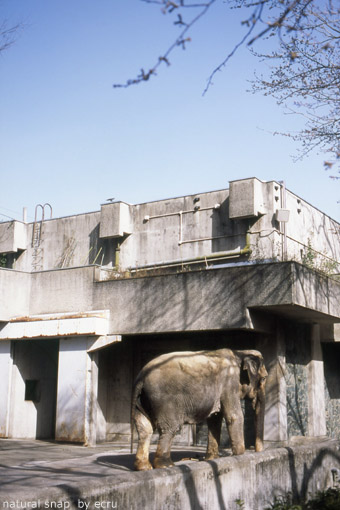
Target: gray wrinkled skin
<point x="189" y="387"/>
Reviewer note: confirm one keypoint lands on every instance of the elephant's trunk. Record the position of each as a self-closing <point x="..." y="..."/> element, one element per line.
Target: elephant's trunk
<point x="259" y="417"/>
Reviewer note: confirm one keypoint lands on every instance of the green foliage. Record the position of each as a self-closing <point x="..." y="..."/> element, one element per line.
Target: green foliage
<point x="239" y="504"/>
<point x="328" y="499"/>
<point x="325" y="500"/>
<point x="3" y="260"/>
<point x="284" y="503"/>
<point x="308" y="258"/>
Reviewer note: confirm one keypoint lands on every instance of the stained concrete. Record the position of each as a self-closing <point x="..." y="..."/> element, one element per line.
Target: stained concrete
<point x="50" y="475"/>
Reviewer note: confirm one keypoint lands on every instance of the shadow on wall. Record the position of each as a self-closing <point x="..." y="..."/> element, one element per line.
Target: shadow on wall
<point x="331" y="355"/>
<point x="34" y="390"/>
<point x="101" y="251"/>
<point x="298" y="355"/>
<point x="304" y="473"/>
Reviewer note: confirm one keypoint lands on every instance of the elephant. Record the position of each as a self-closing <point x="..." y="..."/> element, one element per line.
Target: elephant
<point x="188" y="387"/>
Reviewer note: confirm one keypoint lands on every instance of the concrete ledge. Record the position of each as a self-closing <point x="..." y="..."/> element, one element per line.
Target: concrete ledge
<point x="47" y="325"/>
<point x="104" y="481"/>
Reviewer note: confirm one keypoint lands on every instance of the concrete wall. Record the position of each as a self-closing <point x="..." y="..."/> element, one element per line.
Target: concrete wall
<point x="223" y="298"/>
<point x="64" y="242"/>
<point x="134" y="236"/>
<point x="68" y="290"/>
<point x="313" y="237"/>
<point x="254" y="479"/>
<point x="15" y="289"/>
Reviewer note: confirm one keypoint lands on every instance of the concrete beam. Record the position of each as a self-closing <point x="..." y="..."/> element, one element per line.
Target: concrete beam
<point x="57" y="325"/>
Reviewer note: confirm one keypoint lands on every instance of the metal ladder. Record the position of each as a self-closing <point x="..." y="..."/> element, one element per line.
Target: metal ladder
<point x="37" y="249"/>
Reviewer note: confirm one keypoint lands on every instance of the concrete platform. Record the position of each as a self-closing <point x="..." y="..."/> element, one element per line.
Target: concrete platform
<point x="37" y="474"/>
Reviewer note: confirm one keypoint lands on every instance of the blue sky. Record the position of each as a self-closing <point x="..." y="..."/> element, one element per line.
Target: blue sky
<point x="69" y="138"/>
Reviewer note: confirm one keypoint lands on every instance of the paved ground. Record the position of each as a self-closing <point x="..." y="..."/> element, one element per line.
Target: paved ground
<point x="33" y="472"/>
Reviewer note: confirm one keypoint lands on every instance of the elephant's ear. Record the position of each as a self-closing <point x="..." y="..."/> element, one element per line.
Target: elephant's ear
<point x="251" y="365"/>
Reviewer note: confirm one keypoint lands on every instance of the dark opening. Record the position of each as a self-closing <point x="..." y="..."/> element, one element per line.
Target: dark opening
<point x="32" y="390"/>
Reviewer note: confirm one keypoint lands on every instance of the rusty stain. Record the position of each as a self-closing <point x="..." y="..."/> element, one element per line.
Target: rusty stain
<point x="73" y="333"/>
<point x="59" y="317"/>
<point x="70" y="435"/>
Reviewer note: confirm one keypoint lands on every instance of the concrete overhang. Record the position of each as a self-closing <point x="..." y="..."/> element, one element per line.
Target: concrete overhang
<point x="311" y="297"/>
<point x="104" y="341"/>
<point x="234" y="297"/>
<point x="56" y="325"/>
<point x="299" y="313"/>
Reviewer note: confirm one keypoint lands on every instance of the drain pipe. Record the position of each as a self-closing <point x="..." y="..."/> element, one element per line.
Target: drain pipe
<point x="283" y="226"/>
<point x="198" y="260"/>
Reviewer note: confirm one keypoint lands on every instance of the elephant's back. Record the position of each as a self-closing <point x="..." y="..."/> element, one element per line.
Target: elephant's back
<point x="187" y="360"/>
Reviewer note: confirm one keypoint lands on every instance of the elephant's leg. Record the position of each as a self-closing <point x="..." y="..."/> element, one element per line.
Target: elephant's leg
<point x="163" y="452"/>
<point x="214" y="423"/>
<point x="233" y="414"/>
<point x="259" y="419"/>
<point x="144" y="430"/>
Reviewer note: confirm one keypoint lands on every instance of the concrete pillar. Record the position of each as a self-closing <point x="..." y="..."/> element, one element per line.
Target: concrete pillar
<point x="77" y="391"/>
<point x="92" y="400"/>
<point x="275" y="423"/>
<point x="6" y="363"/>
<point x="316" y="387"/>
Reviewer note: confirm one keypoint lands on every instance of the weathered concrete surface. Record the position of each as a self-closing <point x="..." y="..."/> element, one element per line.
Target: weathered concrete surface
<point x="179" y="228"/>
<point x="198" y="300"/>
<point x="14" y="293"/>
<point x="59" y="476"/>
<point x="13" y="236"/>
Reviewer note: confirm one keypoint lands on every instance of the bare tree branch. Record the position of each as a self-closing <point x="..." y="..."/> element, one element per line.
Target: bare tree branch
<point x="180" y="41"/>
<point x="276" y="15"/>
<point x="8" y="34"/>
<point x="305" y="77"/>
<point x="305" y="67"/>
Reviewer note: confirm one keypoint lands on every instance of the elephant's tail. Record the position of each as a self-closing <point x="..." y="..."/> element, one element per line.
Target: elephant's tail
<point x="137" y="389"/>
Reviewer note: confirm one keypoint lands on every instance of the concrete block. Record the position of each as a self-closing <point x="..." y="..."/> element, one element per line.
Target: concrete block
<point x="115" y="220"/>
<point x="13" y="236"/>
<point x="246" y="199"/>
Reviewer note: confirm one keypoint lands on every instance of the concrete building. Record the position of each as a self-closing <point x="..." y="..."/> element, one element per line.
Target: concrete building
<point x="87" y="300"/>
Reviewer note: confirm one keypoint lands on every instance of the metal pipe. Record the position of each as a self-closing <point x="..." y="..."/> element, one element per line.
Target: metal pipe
<point x="197" y="260"/>
<point x="283" y="224"/>
<point x="165" y="215"/>
<point x="212" y="238"/>
<point x="180" y="227"/>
